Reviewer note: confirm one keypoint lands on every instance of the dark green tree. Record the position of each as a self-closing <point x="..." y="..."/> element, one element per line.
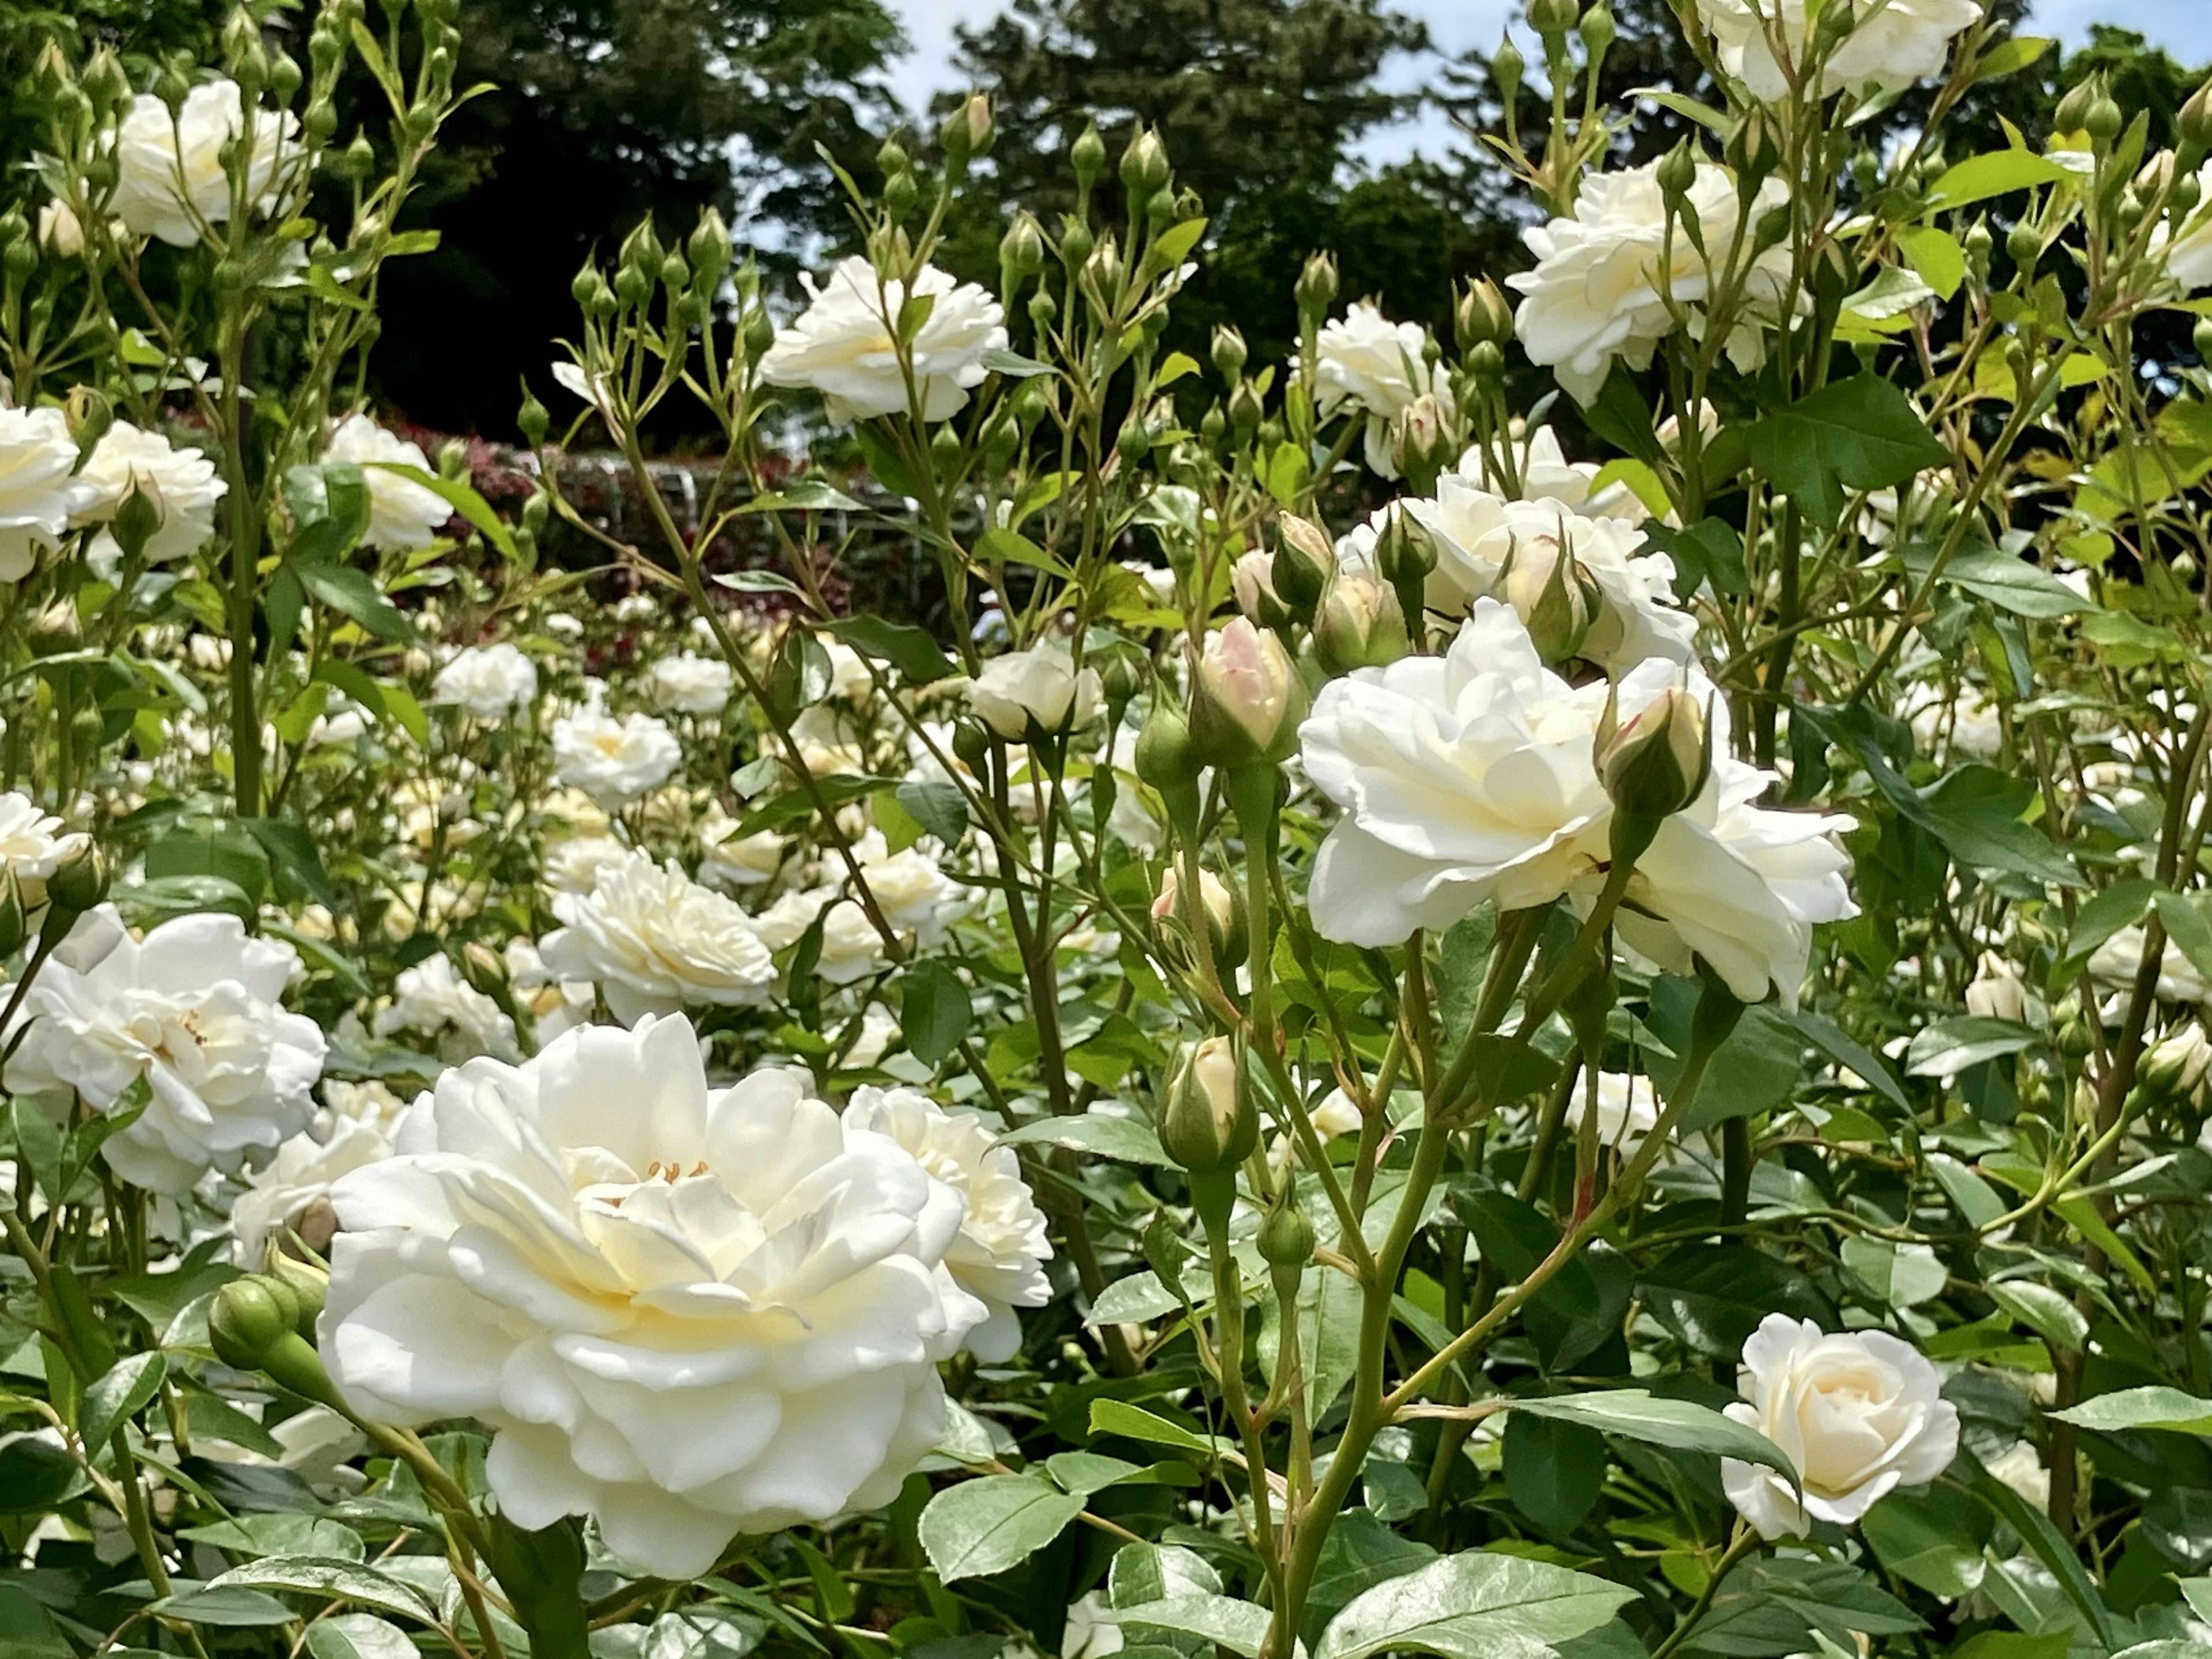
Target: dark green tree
<point x="600" y="112"/>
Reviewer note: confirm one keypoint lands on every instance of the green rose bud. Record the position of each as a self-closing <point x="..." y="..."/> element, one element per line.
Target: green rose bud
<point x="1209" y="1125"/>
<point x="1655" y="765"/>
<point x="1286" y="1236"/>
<point x="1358" y="625"/>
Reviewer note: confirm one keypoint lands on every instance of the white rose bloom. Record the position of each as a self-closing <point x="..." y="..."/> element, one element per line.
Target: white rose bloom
<point x="1628" y="1108"/>
<point x="60" y="230"/>
<point x="613" y="761"/>
<point x="849" y="679"/>
<point x="194" y="1009"/>
<point x="907" y="885"/>
<point x="998" y="1257"/>
<point x="843" y="344"/>
<point x="1542" y="473"/>
<point x="1091" y="1632"/>
<point x="487" y="681"/>
<point x="2114" y="962"/>
<point x="1364" y="359"/>
<point x="1893" y="44"/>
<point x="690" y="684"/>
<point x="1859" y="1414"/>
<point x="852" y="949"/>
<point x="730" y="860"/>
<point x="1039" y="688"/>
<point x="1596" y="293"/>
<point x="1997" y="991"/>
<point x="370" y="1104"/>
<point x="180" y="483"/>
<point x="33" y="844"/>
<point x="170" y="177"/>
<point x="654" y="940"/>
<point x="827" y="747"/>
<point x="1463" y="778"/>
<point x="2189" y="255"/>
<point x="294" y="1190"/>
<point x="1475" y="533"/>
<point x="2019" y="1466"/>
<point x="687" y="1313"/>
<point x="402" y="515"/>
<point x="573" y="865"/>
<point x="38" y="495"/>
<point x="430" y="999"/>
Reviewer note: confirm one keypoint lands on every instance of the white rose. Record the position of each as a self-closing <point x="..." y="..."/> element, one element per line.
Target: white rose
<point x="1366" y="361"/>
<point x="1039" y="690"/>
<point x="554" y="1004"/>
<point x="1091" y="1632"/>
<point x="907" y="885"/>
<point x="1893" y="43"/>
<point x="852" y="949"/>
<point x="654" y="939"/>
<point x="1997" y="991"/>
<point x="1463" y="778"/>
<point x="1628" y="1108"/>
<point x="194" y="1009"/>
<point x="613" y="761"/>
<point x="2019" y="1466"/>
<point x="690" y="684"/>
<point x="1600" y="286"/>
<point x="1859" y="1414"/>
<point x="294" y="1190"/>
<point x="402" y="515"/>
<point x="826" y="746"/>
<point x="731" y="860"/>
<point x="431" y="1000"/>
<point x="170" y="177"/>
<point x="998" y="1257"/>
<point x="487" y="681"/>
<point x="844" y="345"/>
<point x="573" y="865"/>
<point x="180" y="483"/>
<point x="1542" y="473"/>
<point x="849" y="679"/>
<point x="686" y="1312"/>
<point x="786" y="921"/>
<point x="39" y="496"/>
<point x="2114" y="962"/>
<point x="60" y="230"/>
<point x="2189" y="255"/>
<point x="33" y="844"/>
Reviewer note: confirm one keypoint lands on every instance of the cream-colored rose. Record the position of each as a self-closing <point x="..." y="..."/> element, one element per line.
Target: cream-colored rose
<point x="1892" y="43"/>
<point x="685" y="1312"/>
<point x="730" y="860"/>
<point x="1859" y="1414"/>
<point x="845" y="345"/>
<point x="430" y="999"/>
<point x="170" y="177"/>
<point x="487" y="681"/>
<point x="39" y="495"/>
<point x="402" y="515"/>
<point x="999" y="1255"/>
<point x="655" y="940"/>
<point x="1380" y="368"/>
<point x="687" y="683"/>
<point x="180" y="483"/>
<point x="1628" y="1108"/>
<point x="613" y="761"/>
<point x="1039" y="690"/>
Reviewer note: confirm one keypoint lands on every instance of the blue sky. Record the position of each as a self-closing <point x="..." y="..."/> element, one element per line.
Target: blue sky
<point x="2183" y="27"/>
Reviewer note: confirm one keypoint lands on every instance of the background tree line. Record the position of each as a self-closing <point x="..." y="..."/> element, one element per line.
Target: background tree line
<point x="600" y="111"/>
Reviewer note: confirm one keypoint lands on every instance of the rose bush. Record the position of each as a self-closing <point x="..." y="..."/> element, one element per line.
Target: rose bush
<point x="1435" y="1020"/>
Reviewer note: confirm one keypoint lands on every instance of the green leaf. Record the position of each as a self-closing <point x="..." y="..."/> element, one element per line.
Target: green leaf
<point x="986" y="1525"/>
<point x="358" y="1636"/>
<point x="1707" y="553"/>
<point x="935" y="1012"/>
<point x="807" y="495"/>
<point x="1859" y="433"/>
<point x="1680" y="1425"/>
<point x="209" y="848"/>
<point x="282" y="1535"/>
<point x="328" y="1577"/>
<point x="2053" y="1548"/>
<point x="120" y="1395"/>
<point x="2141" y="1408"/>
<point x="1932" y="1537"/>
<point x="1126" y="1139"/>
<point x="2010" y="56"/>
<point x="1554" y="1469"/>
<point x="2012" y="583"/>
<point x="292" y="850"/>
<point x="1476" y="1606"/>
<point x="353" y="593"/>
<point x="2183" y="917"/>
<point x="1621" y="414"/>
<point x="1834" y="1042"/>
<point x="329" y="508"/>
<point x="1001" y="546"/>
<point x="1014" y="366"/>
<point x="1901" y="1275"/>
<point x="1950" y="1045"/>
<point x="232" y="1605"/>
<point x="939" y="808"/>
<point x="1239" y="1626"/>
<point x="2049" y="1313"/>
<point x="1998" y="174"/>
<point x="1975" y="813"/>
<point x="1119" y="1417"/>
<point x="1936" y="255"/>
<point x="910" y="650"/>
<point x="1082" y="1473"/>
<point x="2101" y="916"/>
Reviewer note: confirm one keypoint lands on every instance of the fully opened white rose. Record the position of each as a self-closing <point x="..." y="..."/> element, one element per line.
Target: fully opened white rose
<point x="181" y="483"/>
<point x="613" y="761"/>
<point x="686" y="1312"/>
<point x="1382" y="368"/>
<point x="844" y="345"/>
<point x="33" y="844"/>
<point x="1892" y="43"/>
<point x="195" y="1010"/>
<point x="38" y="495"/>
<point x="487" y="681"/>
<point x="1859" y="1414"/>
<point x="170" y="178"/>
<point x="402" y="515"/>
<point x="999" y="1256"/>
<point x="690" y="684"/>
<point x="1037" y="690"/>
<point x="655" y="940"/>
<point x="1603" y="278"/>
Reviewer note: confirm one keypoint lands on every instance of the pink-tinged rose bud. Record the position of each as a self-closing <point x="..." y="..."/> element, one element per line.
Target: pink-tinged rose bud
<point x="1223" y="913"/>
<point x="1248" y="698"/>
<point x="1657" y="763"/>
<point x="1210" y="1124"/>
<point x="1360" y="624"/>
<point x="1252" y="579"/>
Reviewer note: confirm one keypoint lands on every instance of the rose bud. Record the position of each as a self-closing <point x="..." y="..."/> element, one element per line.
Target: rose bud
<point x="2178" y="1067"/>
<point x="1252" y="579"/>
<point x="1554" y="595"/>
<point x="1655" y="765"/>
<point x="1360" y="624"/>
<point x="1209" y="1125"/>
<point x="1248" y="698"/>
<point x="1305" y="558"/>
<point x="1224" y="914"/>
